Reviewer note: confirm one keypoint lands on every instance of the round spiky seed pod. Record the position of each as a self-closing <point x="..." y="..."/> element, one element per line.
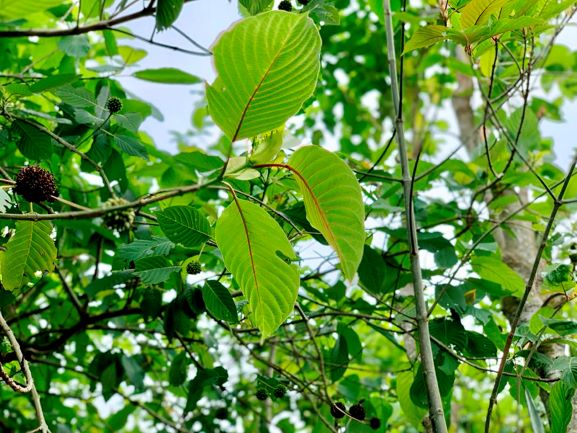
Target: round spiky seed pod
<point x="114" y="105"/>
<point x="35" y="184"/>
<point x="357" y="411"/>
<point x="120" y="220"/>
<point x="285" y="5"/>
<point x="279" y="391"/>
<point x="375" y="423"/>
<point x="261" y="394"/>
<point x="338" y="410"/>
<point x="194" y="267"/>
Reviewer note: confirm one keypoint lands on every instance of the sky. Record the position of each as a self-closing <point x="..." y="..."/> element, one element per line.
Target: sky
<point x="204" y="20"/>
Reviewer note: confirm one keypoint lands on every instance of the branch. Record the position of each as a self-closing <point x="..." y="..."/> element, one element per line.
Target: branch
<point x="515" y="322"/>
<point x="43" y="427"/>
<point x="436" y="411"/>
<point x="78" y="30"/>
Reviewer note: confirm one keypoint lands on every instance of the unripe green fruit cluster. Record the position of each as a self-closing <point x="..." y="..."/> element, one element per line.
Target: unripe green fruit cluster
<point x="114" y="105"/>
<point x="35" y="184"/>
<point x="119" y="219"/>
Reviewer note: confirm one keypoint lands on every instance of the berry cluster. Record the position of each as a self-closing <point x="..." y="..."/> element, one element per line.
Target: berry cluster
<point x="120" y="220"/>
<point x="35" y="184"/>
<point x="194" y="267"/>
<point x="286" y="5"/>
<point x="114" y="105"/>
<point x="356" y="411"/>
<point x="279" y="392"/>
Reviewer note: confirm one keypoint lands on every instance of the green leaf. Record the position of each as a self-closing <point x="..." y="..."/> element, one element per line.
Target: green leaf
<point x="261" y="84"/>
<point x="253" y="247"/>
<point x="30" y="250"/>
<point x="494" y="269"/>
<point x="133" y="370"/>
<point x="184" y="225"/>
<point x="167" y="76"/>
<point x="5" y="201"/>
<point x="167" y="11"/>
<point x="413" y="413"/>
<point x="338" y="358"/>
<point x="178" y="369"/>
<point x="425" y="37"/>
<point x="560" y="326"/>
<point x="560" y="406"/>
<point x="33" y="144"/>
<point x="374" y="274"/>
<point x="23" y="8"/>
<point x="154" y="270"/>
<point x="266" y="147"/>
<point x="333" y="202"/>
<point x="130" y="145"/>
<point x="204" y="379"/>
<point x="256" y="6"/>
<point x="534" y="416"/>
<point x="219" y="302"/>
<point x="145" y="247"/>
<point x="479" y="11"/>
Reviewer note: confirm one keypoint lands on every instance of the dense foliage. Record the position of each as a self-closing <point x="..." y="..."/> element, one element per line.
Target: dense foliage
<point x="364" y="230"/>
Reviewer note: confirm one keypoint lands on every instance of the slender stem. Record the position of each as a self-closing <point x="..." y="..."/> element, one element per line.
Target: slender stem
<point x="42" y="426"/>
<point x="530" y="282"/>
<point x="436" y="411"/>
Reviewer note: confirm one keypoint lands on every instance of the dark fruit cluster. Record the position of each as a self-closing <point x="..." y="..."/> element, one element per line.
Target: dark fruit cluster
<point x="285" y="5"/>
<point x="120" y="220"/>
<point x="35" y="184"/>
<point x="114" y="105"/>
<point x="279" y="391"/>
<point x="303" y="2"/>
<point x="261" y="394"/>
<point x="221" y="413"/>
<point x="357" y="411"/>
<point x="194" y="267"/>
<point x="338" y="410"/>
<point x="375" y="423"/>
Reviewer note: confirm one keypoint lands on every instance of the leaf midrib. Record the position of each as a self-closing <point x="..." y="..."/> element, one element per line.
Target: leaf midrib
<point x="260" y="83"/>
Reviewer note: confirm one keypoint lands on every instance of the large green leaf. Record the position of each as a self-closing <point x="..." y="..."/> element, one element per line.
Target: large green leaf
<point x="254" y="249"/>
<point x="560" y="406"/>
<point x="333" y="202"/>
<point x="184" y="225"/>
<point x="267" y="67"/>
<point x="30" y="250"/>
